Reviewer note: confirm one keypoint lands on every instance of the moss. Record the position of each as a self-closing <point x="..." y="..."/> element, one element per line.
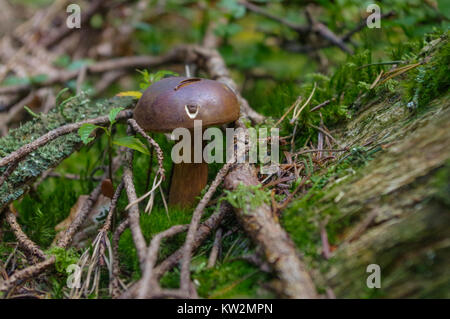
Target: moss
<point x="245" y="197"/>
<point x="441" y="183"/>
<point x="64" y="258"/>
<point x="41" y="211"/>
<point x="151" y="225"/>
<point x="431" y="79"/>
<point x="303" y="216"/>
<point x="54" y="152"/>
<point x="235" y="279"/>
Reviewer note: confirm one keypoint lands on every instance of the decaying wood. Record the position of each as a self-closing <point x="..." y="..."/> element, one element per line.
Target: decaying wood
<point x="278" y="248"/>
<point x="399" y="217"/>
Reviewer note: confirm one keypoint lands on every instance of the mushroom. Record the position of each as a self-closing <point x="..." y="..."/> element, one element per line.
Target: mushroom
<point x="176" y="102"/>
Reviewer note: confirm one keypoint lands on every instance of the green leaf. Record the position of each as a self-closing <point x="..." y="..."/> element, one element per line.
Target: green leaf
<point x="150" y="78"/>
<point x="155" y="77"/>
<point x="16" y="80"/>
<point x="233" y="7"/>
<point x="133" y="143"/>
<point x="78" y="64"/>
<point x="39" y="78"/>
<point x="226" y="30"/>
<point x="113" y="114"/>
<point x="85" y="131"/>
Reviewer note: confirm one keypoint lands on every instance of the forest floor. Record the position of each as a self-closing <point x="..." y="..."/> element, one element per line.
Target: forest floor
<point x="378" y="195"/>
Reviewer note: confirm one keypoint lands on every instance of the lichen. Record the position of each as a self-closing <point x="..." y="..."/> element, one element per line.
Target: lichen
<point x="51" y="154"/>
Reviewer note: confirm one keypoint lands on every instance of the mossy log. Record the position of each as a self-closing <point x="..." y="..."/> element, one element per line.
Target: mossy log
<point x="395" y="211"/>
<point x="51" y="154"/>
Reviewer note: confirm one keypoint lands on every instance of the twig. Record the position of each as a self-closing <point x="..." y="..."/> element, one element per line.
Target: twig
<point x="294" y="105"/>
<point x="196" y="216"/>
<point x="80" y="79"/>
<point x="107" y="225"/>
<point x="296" y="27"/>
<point x="53" y="134"/>
<point x="26" y="273"/>
<point x="324" y="131"/>
<point x="324" y="238"/>
<point x="291" y="195"/>
<point x="22" y="238"/>
<point x="79" y="218"/>
<point x="159" y="152"/>
<point x="114" y="280"/>
<point x="131" y="63"/>
<point x="14" y="110"/>
<point x="64" y="241"/>
<point x="133" y="210"/>
<point x="8" y="172"/>
<point x="65" y="32"/>
<point x="278" y="248"/>
<point x="320" y="151"/>
<point x="315" y="108"/>
<point x="314" y="26"/>
<point x="215" y="249"/>
<point x="160" y="174"/>
<point x="148" y="280"/>
<point x="202" y="233"/>
<point x="297" y="111"/>
<point x="363" y="24"/>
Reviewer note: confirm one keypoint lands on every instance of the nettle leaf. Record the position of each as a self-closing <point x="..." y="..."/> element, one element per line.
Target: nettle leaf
<point x="133" y="143"/>
<point x="113" y="114"/>
<point x="85" y="131"/>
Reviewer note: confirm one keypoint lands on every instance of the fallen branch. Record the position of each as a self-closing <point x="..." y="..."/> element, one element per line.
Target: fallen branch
<point x="196" y="216"/>
<point x="278" y="248"/>
<point x="53" y="134"/>
<point x="215" y="249"/>
<point x="259" y="223"/>
<point x="202" y="233"/>
<point x="133" y="211"/>
<point x="101" y="67"/>
<point x="148" y="278"/>
<point x="22" y="238"/>
<point x="114" y="280"/>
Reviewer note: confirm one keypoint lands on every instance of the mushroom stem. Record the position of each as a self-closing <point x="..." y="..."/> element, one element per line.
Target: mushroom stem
<point x="188" y="180"/>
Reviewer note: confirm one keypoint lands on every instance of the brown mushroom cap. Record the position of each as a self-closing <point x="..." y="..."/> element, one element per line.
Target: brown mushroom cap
<point x="173" y="102"/>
